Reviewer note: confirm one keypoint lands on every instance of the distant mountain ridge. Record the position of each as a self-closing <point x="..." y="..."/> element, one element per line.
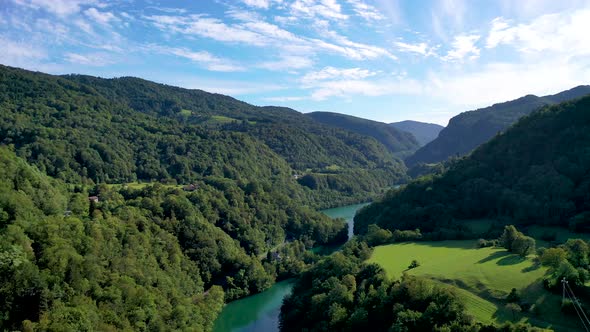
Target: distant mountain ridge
<point x="397" y="141"/>
<point x="468" y="130"/>
<point x="424" y="132"/>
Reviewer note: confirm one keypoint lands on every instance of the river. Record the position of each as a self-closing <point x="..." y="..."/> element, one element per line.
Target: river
<point x="260" y="312"/>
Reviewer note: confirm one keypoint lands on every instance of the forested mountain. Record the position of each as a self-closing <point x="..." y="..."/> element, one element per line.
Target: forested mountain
<point x="424" y="132"/>
<point x="468" y="130"/>
<point x="86" y="249"/>
<point x="82" y="128"/>
<point x="538" y="172"/>
<point x="398" y="142"/>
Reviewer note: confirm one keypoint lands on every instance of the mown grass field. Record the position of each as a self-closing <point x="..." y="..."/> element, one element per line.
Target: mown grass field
<point x="482" y="277"/>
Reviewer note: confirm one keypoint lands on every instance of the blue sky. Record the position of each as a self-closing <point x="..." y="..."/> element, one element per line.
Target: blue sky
<point x="386" y="60"/>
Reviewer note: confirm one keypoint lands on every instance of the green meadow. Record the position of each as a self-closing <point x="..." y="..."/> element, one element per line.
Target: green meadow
<point x="482" y="277"/>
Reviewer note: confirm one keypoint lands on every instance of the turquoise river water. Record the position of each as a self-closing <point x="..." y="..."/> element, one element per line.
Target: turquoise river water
<point x="260" y="312"/>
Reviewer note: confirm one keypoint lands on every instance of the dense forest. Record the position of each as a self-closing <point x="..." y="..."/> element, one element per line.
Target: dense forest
<point x="112" y="269"/>
<point x="537" y="172"/>
<point x="468" y="130"/>
<point x="424" y="132"/>
<point x="149" y="258"/>
<point x="120" y="219"/>
<point x="92" y="130"/>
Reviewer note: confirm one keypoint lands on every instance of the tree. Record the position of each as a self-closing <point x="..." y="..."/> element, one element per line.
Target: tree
<point x="507" y="239"/>
<point x="514" y="308"/>
<point x="513" y="297"/>
<point x="523" y="245"/>
<point x="553" y="257"/>
<point x="414" y="264"/>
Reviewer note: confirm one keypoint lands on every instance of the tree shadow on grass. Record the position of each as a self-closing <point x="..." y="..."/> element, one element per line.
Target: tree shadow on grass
<point x="531" y="268"/>
<point x="511" y="260"/>
<point x="495" y="255"/>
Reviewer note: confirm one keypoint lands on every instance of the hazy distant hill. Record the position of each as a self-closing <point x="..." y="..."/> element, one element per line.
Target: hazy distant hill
<point x="397" y="141"/>
<point x="424" y="132"/>
<point x="468" y="130"/>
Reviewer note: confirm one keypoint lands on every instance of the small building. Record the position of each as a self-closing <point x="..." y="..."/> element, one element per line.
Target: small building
<point x="93" y="199"/>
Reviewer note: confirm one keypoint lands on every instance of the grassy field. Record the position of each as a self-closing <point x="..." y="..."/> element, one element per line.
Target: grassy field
<point x="482" y="277"/>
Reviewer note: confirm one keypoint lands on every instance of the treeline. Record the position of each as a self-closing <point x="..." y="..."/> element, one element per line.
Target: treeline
<point x="537" y="172"/>
<point x="340" y="293"/>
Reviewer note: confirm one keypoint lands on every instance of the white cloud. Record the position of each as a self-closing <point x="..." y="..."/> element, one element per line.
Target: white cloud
<point x="103" y="18"/>
<point x="258" y="3"/>
<point x="259" y="33"/>
<point x="288" y="62"/>
<point x="365" y="11"/>
<point x="203" y="58"/>
<point x="348" y="82"/>
<point x="208" y="27"/>
<point x="419" y="48"/>
<point x="13" y="50"/>
<point x="58" y="7"/>
<point x="564" y="33"/>
<point x="499" y="82"/>
<point x="90" y="59"/>
<point x="463" y="46"/>
<point x="330" y="73"/>
<point x="329" y="9"/>
<point x="349" y="88"/>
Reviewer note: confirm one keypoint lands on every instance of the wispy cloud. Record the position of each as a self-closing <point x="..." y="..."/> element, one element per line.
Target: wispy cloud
<point x="349" y="82"/>
<point x="368" y="12"/>
<point x="203" y="58"/>
<point x="58" y="7"/>
<point x="90" y="59"/>
<point x="103" y="18"/>
<point x="463" y="47"/>
<point x="288" y="63"/>
<point x="417" y="48"/>
<point x="258" y="33"/>
<point x="329" y="9"/>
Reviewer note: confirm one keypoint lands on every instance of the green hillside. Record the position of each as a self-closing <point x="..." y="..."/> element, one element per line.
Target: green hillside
<point x="537" y="172"/>
<point x="469" y="130"/>
<point x="482" y="278"/>
<point x="87" y="129"/>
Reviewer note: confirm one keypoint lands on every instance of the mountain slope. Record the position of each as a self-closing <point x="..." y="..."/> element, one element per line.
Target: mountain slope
<point x="470" y="129"/>
<point x="424" y="132"/>
<point x="241" y="202"/>
<point x="538" y="171"/>
<point x="127" y="129"/>
<point x="309" y="147"/>
<point x="398" y="142"/>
